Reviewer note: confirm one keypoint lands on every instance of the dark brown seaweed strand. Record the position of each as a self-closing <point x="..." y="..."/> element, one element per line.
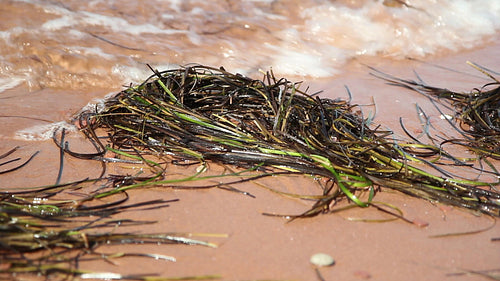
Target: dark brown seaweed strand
<point x="17" y="159"/>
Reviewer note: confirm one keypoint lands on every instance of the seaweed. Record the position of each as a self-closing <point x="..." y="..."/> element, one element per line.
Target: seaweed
<point x="196" y="114"/>
<point x="50" y="230"/>
<point x="6" y="154"/>
<point x="476" y="113"/>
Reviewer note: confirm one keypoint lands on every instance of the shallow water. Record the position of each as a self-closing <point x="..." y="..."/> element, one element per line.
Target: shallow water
<point x="70" y="54"/>
<point x="105" y="43"/>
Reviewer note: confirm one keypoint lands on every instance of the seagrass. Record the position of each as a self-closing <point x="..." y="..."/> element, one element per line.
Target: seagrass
<point x="476" y="112"/>
<point x="51" y="230"/>
<point x="199" y="113"/>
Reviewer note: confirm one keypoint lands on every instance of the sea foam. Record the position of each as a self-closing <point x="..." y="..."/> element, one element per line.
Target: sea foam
<point x="337" y="33"/>
<point x="309" y="37"/>
<point x="10" y="82"/>
<point x="43" y="132"/>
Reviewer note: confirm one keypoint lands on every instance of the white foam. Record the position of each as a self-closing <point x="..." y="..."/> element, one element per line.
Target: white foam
<point x="121" y="25"/>
<point x="43" y="132"/>
<point x="137" y="73"/>
<point x="317" y="38"/>
<point x="72" y="19"/>
<point x="94" y="106"/>
<point x="11" y="82"/>
<point x="59" y="23"/>
<point x="6" y="35"/>
<point x="288" y="61"/>
<point x="95" y="51"/>
<point x="128" y="74"/>
<point x="374" y="29"/>
<point x="333" y="33"/>
<point x="176" y="5"/>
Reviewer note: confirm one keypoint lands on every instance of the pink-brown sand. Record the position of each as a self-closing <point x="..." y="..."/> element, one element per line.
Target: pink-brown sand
<point x="259" y="247"/>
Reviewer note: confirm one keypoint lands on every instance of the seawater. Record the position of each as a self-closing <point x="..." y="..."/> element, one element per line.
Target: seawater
<point x="79" y="45"/>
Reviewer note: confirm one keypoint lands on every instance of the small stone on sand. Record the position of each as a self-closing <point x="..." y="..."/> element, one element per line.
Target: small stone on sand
<point x="321" y="259"/>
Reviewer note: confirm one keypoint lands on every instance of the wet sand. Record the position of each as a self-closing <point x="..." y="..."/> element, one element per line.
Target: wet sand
<point x="260" y="247"/>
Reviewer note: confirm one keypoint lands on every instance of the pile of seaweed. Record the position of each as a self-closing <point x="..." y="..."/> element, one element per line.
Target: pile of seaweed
<point x="476" y="113"/>
<point x="197" y="114"/>
<point x="51" y="230"/>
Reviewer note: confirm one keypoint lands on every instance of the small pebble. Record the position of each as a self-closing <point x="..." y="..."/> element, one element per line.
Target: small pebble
<point x="321" y="259"/>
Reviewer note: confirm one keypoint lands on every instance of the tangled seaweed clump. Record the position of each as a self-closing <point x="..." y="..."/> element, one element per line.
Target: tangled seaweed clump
<point x="477" y="112"/>
<point x="200" y="114"/>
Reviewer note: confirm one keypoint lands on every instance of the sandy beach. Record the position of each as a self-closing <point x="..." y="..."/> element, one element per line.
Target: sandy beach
<point x="258" y="247"/>
<point x="252" y="246"/>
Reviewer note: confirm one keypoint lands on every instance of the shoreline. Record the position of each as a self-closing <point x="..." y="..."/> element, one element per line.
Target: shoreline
<point x="260" y="247"/>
